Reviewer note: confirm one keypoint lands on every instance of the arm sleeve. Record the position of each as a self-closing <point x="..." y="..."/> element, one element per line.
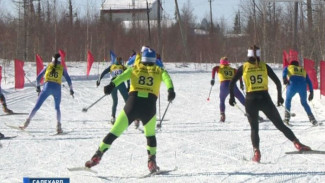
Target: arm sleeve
<point x="309" y="83"/>
<point x="106" y="71"/>
<point x="167" y="80"/>
<point x="285" y="73"/>
<point x="40" y="76"/>
<point x="214" y="70"/>
<point x="275" y="79"/>
<point x="232" y="83"/>
<point x="67" y="77"/>
<point x="123" y="77"/>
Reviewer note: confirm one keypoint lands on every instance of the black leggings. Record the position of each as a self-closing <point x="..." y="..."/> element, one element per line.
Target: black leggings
<point x="261" y="101"/>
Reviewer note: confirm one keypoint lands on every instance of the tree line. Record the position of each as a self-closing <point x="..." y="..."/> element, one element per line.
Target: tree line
<point x="43" y="27"/>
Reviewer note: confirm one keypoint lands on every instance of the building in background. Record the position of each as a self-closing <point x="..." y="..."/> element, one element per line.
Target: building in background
<point x="130" y="10"/>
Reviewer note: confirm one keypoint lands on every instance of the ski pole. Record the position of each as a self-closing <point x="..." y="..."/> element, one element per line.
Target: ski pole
<point x="241" y="110"/>
<point x="209" y="94"/>
<point x="159" y="125"/>
<point x="86" y="108"/>
<point x="30" y="81"/>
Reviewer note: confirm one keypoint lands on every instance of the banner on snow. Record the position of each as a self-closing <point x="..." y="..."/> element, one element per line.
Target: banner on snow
<point x="309" y="66"/>
<point x="19" y="74"/>
<point x="90" y="61"/>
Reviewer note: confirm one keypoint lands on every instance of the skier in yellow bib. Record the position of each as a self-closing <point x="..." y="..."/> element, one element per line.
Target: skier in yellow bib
<point x="255" y="74"/>
<point x="146" y="78"/>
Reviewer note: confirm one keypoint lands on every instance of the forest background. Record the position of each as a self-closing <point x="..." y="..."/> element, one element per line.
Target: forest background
<point x="43" y="27"/>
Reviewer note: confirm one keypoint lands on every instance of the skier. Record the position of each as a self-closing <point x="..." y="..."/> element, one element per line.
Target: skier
<point x="296" y="80"/>
<point x="53" y="77"/>
<point x="115" y="69"/>
<point x="255" y="74"/>
<point x="141" y="104"/>
<point x="225" y="74"/>
<point x="3" y="99"/>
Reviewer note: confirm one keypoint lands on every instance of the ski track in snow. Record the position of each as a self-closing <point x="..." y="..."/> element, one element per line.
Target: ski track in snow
<point x="192" y="138"/>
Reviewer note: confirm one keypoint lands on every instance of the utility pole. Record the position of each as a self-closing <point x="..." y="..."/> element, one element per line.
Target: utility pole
<point x="159" y="27"/>
<point x="148" y="23"/>
<point x="211" y="22"/>
<point x="184" y="39"/>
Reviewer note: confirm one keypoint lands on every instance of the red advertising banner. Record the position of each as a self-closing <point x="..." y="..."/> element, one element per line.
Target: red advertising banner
<point x="62" y="53"/>
<point x="90" y="61"/>
<point x="322" y="77"/>
<point x="285" y="61"/>
<point x="39" y="66"/>
<point x="309" y="66"/>
<point x="19" y="74"/>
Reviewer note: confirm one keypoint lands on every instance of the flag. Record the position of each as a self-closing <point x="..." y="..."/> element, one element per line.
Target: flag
<point x="293" y="55"/>
<point x="113" y="57"/>
<point x="0" y="74"/>
<point x="322" y="77"/>
<point x="285" y="62"/>
<point x="90" y="61"/>
<point x="19" y="74"/>
<point x="39" y="66"/>
<point x="62" y="54"/>
<point x="309" y="66"/>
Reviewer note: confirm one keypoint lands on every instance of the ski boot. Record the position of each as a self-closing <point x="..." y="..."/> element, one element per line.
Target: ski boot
<point x="286" y="117"/>
<point x="312" y="120"/>
<point x="2" y="136"/>
<point x="257" y="155"/>
<point x="94" y="160"/>
<point x="152" y="165"/>
<point x="113" y="120"/>
<point x="300" y="146"/>
<point x="26" y="123"/>
<point x="136" y="124"/>
<point x="222" y="117"/>
<point x="59" y="128"/>
<point x="6" y="110"/>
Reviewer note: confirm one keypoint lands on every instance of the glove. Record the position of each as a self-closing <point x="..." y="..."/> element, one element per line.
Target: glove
<point x="38" y="89"/>
<point x="286" y="81"/>
<point x="97" y="83"/>
<point x="71" y="92"/>
<point x="311" y="96"/>
<point x="171" y="94"/>
<point x="212" y="82"/>
<point x="232" y="101"/>
<point x="109" y="88"/>
<point x="280" y="100"/>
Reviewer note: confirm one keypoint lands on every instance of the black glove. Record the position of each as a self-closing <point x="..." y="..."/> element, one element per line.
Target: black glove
<point x="280" y="100"/>
<point x="171" y="94"/>
<point x="109" y="88"/>
<point x="232" y="101"/>
<point x="311" y="96"/>
<point x="38" y="89"/>
<point x="286" y="81"/>
<point x="97" y="83"/>
<point x="71" y="92"/>
<point x="212" y="82"/>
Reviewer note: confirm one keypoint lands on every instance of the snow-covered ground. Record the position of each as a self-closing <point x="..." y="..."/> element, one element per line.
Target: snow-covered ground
<point x="192" y="138"/>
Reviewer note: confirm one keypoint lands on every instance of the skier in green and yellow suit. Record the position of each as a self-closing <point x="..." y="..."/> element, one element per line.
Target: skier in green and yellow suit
<point x="146" y="78"/>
